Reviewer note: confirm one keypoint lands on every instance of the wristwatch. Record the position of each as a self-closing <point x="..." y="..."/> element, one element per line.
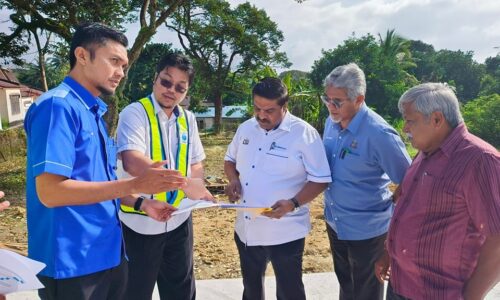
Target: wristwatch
<point x="138" y="203"/>
<point x="296" y="203"/>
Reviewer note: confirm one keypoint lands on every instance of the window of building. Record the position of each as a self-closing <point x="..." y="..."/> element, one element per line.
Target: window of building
<point x="15" y="104"/>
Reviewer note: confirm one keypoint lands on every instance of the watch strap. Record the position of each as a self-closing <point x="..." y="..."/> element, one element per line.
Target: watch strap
<point x="138" y="203"/>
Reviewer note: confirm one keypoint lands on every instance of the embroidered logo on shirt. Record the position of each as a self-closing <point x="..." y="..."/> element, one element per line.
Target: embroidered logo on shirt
<point x="276" y="146"/>
<point x="354" y="144"/>
<point x="184" y="138"/>
<point x="245" y="142"/>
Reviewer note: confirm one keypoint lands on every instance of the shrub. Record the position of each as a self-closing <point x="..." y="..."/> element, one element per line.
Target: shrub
<point x="482" y="118"/>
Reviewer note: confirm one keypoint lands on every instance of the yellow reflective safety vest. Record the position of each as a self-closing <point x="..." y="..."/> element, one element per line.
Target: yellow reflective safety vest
<point x="157" y="150"/>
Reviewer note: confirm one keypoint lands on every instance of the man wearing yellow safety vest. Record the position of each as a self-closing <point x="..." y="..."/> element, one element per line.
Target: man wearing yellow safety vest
<point x="156" y="128"/>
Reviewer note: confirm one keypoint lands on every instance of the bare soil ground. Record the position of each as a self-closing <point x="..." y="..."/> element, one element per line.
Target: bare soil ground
<point x="214" y="249"/>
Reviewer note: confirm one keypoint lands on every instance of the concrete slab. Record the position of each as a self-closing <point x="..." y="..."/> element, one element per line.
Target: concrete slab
<point x="319" y="286"/>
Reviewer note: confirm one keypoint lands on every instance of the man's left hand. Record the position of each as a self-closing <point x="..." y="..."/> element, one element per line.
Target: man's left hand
<point x="280" y="208"/>
<point x="160" y="211"/>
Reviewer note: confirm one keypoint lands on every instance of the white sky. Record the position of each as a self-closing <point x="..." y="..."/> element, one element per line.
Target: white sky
<point x="323" y="24"/>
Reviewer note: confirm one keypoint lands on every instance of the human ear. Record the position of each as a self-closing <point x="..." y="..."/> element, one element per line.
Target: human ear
<point x="360" y="99"/>
<point x="437" y="118"/>
<point x="81" y="55"/>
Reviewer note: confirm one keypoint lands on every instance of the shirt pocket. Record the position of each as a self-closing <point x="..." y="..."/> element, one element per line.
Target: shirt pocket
<point x="275" y="162"/>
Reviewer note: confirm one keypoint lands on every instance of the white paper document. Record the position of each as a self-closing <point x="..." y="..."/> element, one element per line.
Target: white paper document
<point x="18" y="273"/>
<point x="189" y="205"/>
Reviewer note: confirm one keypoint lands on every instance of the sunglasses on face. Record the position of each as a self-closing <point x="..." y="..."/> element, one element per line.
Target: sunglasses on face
<point x="168" y="84"/>
<point x="335" y="102"/>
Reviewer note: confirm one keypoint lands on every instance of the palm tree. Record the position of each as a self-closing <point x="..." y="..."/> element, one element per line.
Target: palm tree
<point x="396" y="48"/>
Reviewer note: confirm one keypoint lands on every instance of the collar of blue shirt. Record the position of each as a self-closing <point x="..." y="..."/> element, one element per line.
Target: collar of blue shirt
<point x="85" y="96"/>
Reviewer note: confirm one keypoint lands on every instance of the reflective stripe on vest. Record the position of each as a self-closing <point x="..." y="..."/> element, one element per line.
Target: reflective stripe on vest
<point x="157" y="150"/>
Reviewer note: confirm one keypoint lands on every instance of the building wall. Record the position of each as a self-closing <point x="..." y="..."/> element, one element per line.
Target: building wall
<point x="25" y="105"/>
<point x="14" y="117"/>
<point x="3" y="105"/>
<point x="6" y="112"/>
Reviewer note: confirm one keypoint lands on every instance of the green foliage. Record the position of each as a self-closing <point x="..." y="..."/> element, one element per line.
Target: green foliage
<point x="454" y="67"/>
<point x="304" y="101"/>
<point x="56" y="68"/>
<point x="141" y="74"/>
<point x="490" y="83"/>
<point x="226" y="41"/>
<point x="385" y="71"/>
<point x="481" y="117"/>
<point x="398" y="124"/>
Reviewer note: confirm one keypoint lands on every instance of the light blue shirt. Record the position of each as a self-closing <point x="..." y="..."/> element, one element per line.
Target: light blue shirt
<point x="66" y="136"/>
<point x="364" y="158"/>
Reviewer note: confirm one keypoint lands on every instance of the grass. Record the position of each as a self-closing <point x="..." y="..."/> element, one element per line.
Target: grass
<point x="13" y="179"/>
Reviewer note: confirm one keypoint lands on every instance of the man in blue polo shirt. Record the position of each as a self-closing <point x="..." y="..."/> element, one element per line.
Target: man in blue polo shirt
<point x="365" y="154"/>
<point x="72" y="191"/>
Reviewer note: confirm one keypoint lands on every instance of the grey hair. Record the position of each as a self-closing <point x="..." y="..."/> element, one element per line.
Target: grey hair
<point x="430" y="97"/>
<point x="349" y="77"/>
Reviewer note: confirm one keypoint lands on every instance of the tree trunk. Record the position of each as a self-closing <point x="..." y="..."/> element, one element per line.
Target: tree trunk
<point x="218" y="112"/>
<point x="41" y="60"/>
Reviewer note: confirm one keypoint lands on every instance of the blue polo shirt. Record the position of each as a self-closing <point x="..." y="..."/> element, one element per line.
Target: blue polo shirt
<point x="66" y="136"/>
<point x="364" y="158"/>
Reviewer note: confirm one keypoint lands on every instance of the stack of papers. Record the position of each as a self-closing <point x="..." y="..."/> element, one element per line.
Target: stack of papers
<point x="18" y="273"/>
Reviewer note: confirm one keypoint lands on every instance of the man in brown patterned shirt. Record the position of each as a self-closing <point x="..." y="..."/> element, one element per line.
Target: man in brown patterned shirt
<point x="444" y="237"/>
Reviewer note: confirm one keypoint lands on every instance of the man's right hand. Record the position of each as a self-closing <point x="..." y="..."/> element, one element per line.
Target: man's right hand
<point x="382" y="267"/>
<point x="233" y="190"/>
<point x="157" y="179"/>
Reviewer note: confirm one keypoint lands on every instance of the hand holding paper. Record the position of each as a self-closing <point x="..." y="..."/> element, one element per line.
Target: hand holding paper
<point x="279" y="209"/>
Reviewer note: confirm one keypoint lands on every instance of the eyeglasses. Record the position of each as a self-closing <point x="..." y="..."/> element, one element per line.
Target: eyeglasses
<point x="168" y="84"/>
<point x="335" y="102"/>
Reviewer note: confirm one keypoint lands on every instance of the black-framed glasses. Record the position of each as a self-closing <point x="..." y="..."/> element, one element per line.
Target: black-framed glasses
<point x="168" y="84"/>
<point x="335" y="102"/>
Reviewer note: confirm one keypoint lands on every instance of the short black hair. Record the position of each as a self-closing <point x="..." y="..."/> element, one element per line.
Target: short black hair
<point x="178" y="61"/>
<point x="90" y="35"/>
<point x="271" y="88"/>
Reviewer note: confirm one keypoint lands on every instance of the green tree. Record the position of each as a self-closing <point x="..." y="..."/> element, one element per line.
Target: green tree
<point x="304" y="99"/>
<point x="61" y="17"/>
<point x="56" y="68"/>
<point x="386" y="79"/>
<point x="396" y="48"/>
<point x="425" y="66"/>
<point x="226" y="41"/>
<point x="141" y="74"/>
<point x="481" y="117"/>
<point x="490" y="83"/>
<point x="459" y="69"/>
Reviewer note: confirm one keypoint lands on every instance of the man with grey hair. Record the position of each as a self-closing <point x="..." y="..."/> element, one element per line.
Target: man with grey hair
<point x="444" y="238"/>
<point x="365" y="154"/>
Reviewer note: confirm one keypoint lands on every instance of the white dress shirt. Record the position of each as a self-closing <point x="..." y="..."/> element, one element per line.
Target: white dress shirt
<point x="275" y="165"/>
<point x="133" y="134"/>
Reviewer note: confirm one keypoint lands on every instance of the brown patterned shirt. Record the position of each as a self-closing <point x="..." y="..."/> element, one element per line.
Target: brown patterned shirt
<point x="450" y="203"/>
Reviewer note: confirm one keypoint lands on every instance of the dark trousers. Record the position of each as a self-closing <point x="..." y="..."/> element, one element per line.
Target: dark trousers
<point x="166" y="259"/>
<point x="286" y="260"/>
<point x="108" y="284"/>
<point x="354" y="262"/>
<point x="391" y="295"/>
